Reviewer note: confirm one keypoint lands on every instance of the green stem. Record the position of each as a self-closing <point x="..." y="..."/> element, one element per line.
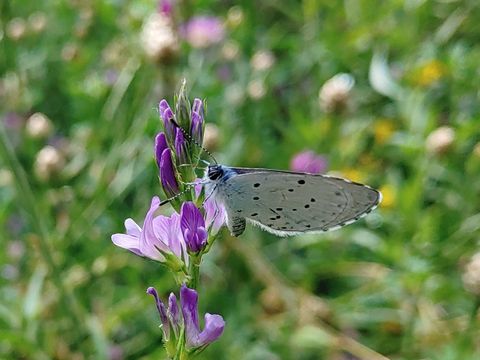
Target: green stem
<point x="29" y="203"/>
<point x="194" y="270"/>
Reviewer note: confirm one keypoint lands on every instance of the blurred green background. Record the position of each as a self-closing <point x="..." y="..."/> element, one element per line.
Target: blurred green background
<point x="79" y="85"/>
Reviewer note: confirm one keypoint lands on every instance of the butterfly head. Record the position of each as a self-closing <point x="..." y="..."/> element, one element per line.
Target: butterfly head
<point x="215" y="172"/>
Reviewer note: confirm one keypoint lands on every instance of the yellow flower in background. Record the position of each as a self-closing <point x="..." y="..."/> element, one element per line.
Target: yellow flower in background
<point x="352" y="174"/>
<point x="389" y="196"/>
<point x="383" y="130"/>
<point x="429" y="73"/>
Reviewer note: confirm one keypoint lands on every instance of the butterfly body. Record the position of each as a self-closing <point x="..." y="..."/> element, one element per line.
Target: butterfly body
<point x="287" y="203"/>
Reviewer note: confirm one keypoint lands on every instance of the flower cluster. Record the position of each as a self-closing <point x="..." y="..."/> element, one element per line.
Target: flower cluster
<point x="175" y="323"/>
<point x="180" y="240"/>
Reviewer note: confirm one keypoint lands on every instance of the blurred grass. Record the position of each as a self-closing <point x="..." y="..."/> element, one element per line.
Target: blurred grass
<point x="392" y="282"/>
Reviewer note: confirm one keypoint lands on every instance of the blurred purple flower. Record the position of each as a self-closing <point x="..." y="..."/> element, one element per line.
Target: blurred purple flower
<point x="110" y="77"/>
<point x="193" y="227"/>
<point x="165" y="7"/>
<point x="309" y="162"/>
<point x="167" y="174"/>
<point x="170" y="318"/>
<point x="13" y="121"/>
<point x="160" y="145"/>
<point x="214" y="324"/>
<point x="203" y="31"/>
<point x="167" y="116"/>
<point x="160" y="238"/>
<point x="196" y="129"/>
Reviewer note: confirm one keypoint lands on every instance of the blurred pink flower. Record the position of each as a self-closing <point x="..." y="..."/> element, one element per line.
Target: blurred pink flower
<point x="203" y="31"/>
<point x="309" y="162"/>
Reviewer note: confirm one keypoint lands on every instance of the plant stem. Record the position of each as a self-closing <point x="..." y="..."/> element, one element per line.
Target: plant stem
<point x="194" y="271"/>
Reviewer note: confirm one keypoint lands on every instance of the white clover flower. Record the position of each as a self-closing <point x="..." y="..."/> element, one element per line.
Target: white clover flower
<point x="38" y="126"/>
<point x="158" y="38"/>
<point x="262" y="60"/>
<point x="440" y="140"/>
<point x="49" y="161"/>
<point x="335" y="93"/>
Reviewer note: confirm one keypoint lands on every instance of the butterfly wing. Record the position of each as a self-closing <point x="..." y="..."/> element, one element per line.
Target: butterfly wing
<point x="288" y="203"/>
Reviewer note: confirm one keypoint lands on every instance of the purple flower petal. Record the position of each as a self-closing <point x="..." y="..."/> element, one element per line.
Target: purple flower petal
<point x="167" y="174"/>
<point x="160" y="145"/>
<point x="130" y="241"/>
<point x="167" y="115"/>
<point x="161" y="311"/>
<point x="197" y="106"/>
<point x="149" y="244"/>
<point x="215" y="215"/>
<point x="174" y="314"/>
<point x="181" y="147"/>
<point x="214" y="325"/>
<point x="188" y="302"/>
<point x="196" y="129"/>
<point x="193" y="227"/>
<point x="167" y="230"/>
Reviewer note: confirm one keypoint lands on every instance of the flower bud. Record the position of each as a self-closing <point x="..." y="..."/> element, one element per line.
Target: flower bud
<point x="160" y="145"/>
<point x="196" y="129"/>
<point x="166" y="114"/>
<point x="182" y="107"/>
<point x="167" y="174"/>
<point x="192" y="224"/>
<point x="181" y="148"/>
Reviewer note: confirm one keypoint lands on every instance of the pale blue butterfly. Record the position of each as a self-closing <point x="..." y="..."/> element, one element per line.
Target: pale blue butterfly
<point x="287" y="203"/>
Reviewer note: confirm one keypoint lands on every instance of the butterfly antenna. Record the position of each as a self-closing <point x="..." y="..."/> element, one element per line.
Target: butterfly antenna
<point x="187" y="135"/>
<point x="167" y="201"/>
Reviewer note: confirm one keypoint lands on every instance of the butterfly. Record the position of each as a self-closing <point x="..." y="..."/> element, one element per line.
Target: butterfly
<point x="287" y="203"/>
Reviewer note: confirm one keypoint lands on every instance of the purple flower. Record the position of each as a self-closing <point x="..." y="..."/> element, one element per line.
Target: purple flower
<point x="167" y="116"/>
<point x="181" y="147"/>
<point x="203" y="31"/>
<point x="165" y="7"/>
<point x="196" y="128"/>
<point x="173" y="313"/>
<point x="193" y="227"/>
<point x="160" y="238"/>
<point x="167" y="174"/>
<point x="162" y="311"/>
<point x="171" y="319"/>
<point x="214" y="324"/>
<point x="160" y="145"/>
<point x="215" y="213"/>
<point x="309" y="162"/>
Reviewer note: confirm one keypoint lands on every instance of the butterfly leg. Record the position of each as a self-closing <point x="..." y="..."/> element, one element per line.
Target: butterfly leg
<point x="236" y="225"/>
